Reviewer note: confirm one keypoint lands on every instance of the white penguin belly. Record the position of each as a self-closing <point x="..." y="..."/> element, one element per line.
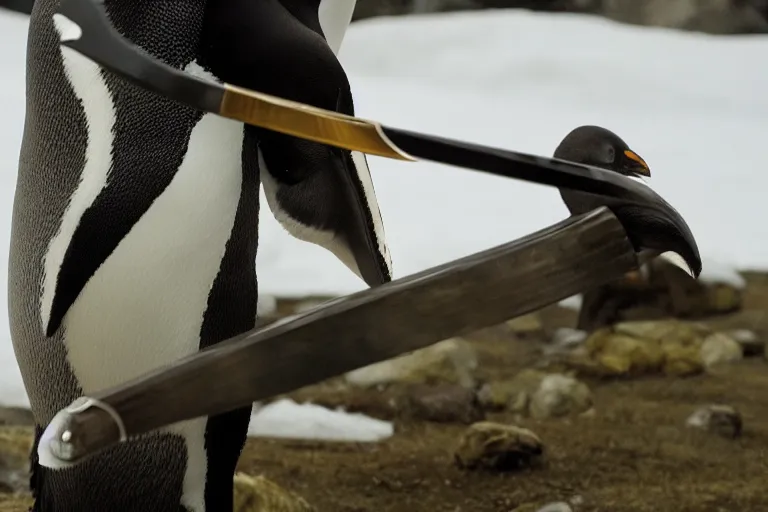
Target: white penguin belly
<point x="144" y="307"/>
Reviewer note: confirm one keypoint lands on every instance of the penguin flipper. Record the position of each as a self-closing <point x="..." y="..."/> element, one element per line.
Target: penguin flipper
<point x="318" y="193"/>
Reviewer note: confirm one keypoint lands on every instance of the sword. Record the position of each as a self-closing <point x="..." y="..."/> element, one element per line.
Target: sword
<point x="85" y="28"/>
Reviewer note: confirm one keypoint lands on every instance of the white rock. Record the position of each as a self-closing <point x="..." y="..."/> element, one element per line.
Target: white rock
<point x="560" y="395"/>
<point x="719" y="348"/>
<point x="720" y="419"/>
<point x="454" y="352"/>
<point x="573" y="302"/>
<point x="566" y="337"/>
<point x="559" y="506"/>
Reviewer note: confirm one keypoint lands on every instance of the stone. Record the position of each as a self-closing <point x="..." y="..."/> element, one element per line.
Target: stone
<point x="512" y="395"/>
<point x="497" y="447"/>
<point x="638" y="348"/>
<point x="618" y="354"/>
<point x="719" y="348"/>
<point x="569" y="338"/>
<point x="564" y="340"/>
<point x="666" y="330"/>
<point x="450" y="361"/>
<point x="560" y="395"/>
<point x="722" y="420"/>
<point x="526" y="325"/>
<point x="751" y="344"/>
<point x="446" y="403"/>
<point x="257" y="494"/>
<point x="559" y="506"/>
<point x="682" y="361"/>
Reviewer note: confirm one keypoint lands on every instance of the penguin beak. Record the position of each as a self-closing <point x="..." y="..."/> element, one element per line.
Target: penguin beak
<point x="636" y="165"/>
<point x="327" y="198"/>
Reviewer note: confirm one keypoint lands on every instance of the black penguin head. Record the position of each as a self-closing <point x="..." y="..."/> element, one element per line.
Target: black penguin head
<point x="655" y="226"/>
<point x="596" y="146"/>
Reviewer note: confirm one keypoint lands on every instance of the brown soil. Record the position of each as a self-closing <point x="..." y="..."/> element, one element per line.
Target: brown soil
<point x="633" y="455"/>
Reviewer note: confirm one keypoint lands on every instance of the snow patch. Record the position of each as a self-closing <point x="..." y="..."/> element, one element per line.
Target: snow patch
<point x="287" y="419"/>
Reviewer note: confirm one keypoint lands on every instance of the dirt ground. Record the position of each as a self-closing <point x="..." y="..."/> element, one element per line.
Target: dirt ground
<point x="633" y="455"/>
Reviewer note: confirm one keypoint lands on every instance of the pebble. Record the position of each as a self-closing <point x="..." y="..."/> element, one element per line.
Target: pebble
<point x="498" y="447"/>
<point x="453" y="361"/>
<point x="445" y="403"/>
<point x="257" y="494"/>
<point x="723" y="420"/>
<point x="560" y="395"/>
<point x="719" y="348"/>
<point x="559" y="506"/>
<point x="750" y="342"/>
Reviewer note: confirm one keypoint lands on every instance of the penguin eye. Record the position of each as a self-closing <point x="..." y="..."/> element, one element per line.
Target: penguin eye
<point x="610" y="155"/>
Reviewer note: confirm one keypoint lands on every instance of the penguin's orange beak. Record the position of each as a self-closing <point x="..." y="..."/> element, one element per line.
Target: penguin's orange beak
<point x="636" y="164"/>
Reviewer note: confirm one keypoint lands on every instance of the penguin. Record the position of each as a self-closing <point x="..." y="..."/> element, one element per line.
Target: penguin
<point x="135" y="226"/>
<point x="600" y="147"/>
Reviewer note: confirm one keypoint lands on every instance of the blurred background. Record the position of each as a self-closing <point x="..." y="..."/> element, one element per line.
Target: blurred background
<point x="684" y="83"/>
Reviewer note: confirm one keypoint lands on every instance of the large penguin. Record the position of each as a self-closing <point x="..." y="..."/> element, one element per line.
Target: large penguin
<point x="135" y="226"/>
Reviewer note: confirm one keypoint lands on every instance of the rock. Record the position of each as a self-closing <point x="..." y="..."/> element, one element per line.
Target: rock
<point x="568" y="338"/>
<point x="526" y="325"/>
<point x="668" y="330"/>
<point x="751" y="343"/>
<point x="682" y="361"/>
<point x="723" y="420"/>
<point x="444" y="403"/>
<point x="632" y="349"/>
<point x="559" y="395"/>
<point x="493" y="446"/>
<point x="257" y="494"/>
<point x="618" y="354"/>
<point x="449" y="361"/>
<point x="512" y="395"/>
<point x="723" y="299"/>
<point x="564" y="340"/>
<point x="559" y="506"/>
<point x="719" y="348"/>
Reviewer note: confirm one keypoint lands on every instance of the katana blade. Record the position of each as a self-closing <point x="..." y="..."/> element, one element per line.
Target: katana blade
<point x="85" y="28"/>
<point x="456" y="298"/>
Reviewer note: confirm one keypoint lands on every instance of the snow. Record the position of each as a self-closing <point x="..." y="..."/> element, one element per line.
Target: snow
<point x="692" y="105"/>
<point x="286" y="419"/>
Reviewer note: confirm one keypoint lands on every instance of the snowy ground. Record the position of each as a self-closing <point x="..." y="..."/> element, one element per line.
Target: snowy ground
<point x="693" y="106"/>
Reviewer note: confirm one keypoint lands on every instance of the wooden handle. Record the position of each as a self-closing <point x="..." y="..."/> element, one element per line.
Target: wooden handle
<point x="308" y="122"/>
<point x="462" y="296"/>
